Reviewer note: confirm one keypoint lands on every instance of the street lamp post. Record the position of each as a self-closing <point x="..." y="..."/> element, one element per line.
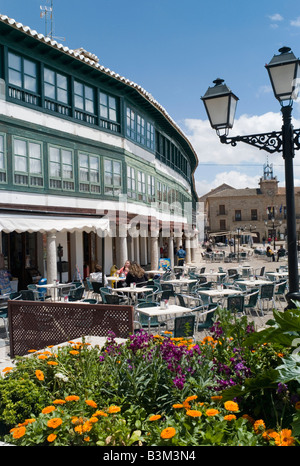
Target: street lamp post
<point x="274" y="226"/>
<point x="220" y="104"/>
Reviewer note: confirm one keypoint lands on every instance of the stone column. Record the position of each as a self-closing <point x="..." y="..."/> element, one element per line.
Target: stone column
<point x="51" y="257"/>
<point x="171" y="249"/>
<point x="143" y="243"/>
<point x="188" y="248"/>
<point x="154" y="252"/>
<point x="123" y="250"/>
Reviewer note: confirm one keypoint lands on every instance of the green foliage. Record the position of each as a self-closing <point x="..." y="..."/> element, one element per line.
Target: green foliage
<point x="173" y="379"/>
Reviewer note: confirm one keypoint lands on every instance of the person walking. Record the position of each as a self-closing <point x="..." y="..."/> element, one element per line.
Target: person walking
<point x="181" y="256"/>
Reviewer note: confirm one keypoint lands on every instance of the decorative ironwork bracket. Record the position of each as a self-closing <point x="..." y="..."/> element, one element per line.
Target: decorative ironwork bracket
<point x="270" y="142"/>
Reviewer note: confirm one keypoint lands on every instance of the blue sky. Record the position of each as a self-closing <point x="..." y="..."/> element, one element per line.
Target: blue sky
<point x="175" y="49"/>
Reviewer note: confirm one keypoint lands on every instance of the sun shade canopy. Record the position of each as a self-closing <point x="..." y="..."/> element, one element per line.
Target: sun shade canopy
<point x="44" y="224"/>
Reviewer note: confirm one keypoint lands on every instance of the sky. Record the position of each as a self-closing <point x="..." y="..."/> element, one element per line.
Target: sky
<point x="175" y="49"/>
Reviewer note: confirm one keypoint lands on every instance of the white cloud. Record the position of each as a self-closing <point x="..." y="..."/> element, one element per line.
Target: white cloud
<point x="239" y="166"/>
<point x="276" y="17"/>
<point x="295" y="22"/>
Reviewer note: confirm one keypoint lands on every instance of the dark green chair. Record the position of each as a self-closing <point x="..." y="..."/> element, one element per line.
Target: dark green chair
<point x="76" y="294"/>
<point x="235" y="303"/>
<point x="209" y="319"/>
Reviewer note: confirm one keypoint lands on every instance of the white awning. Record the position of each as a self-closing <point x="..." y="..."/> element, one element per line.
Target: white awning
<point x="43" y="224"/>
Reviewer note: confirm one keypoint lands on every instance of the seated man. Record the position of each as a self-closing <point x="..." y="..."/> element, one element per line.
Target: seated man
<point x="281" y="252"/>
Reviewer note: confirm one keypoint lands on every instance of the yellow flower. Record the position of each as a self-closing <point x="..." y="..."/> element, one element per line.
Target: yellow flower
<point x="190" y="398"/>
<point x="193" y="413"/>
<point x="259" y="426"/>
<point x="72" y="398"/>
<point x="211" y="412"/>
<point x="155" y="417"/>
<point x="229" y="417"/>
<point x="114" y="409"/>
<point x="51" y="437"/>
<point x="100" y="413"/>
<point x="54" y="422"/>
<point x="39" y="375"/>
<point x="48" y="409"/>
<point x="231" y="406"/>
<point x="169" y="432"/>
<point x="18" y="432"/>
<point x="285" y="438"/>
<point x="7" y="369"/>
<point x="91" y="403"/>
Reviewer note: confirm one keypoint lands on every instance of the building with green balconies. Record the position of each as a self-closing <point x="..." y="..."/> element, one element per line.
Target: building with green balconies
<point x="85" y="154"/>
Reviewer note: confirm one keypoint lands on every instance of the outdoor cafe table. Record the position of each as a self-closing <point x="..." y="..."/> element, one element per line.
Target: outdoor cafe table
<point x="134" y="291"/>
<point x="180" y="281"/>
<point x="115" y="279"/>
<point x="217" y="275"/>
<point x="172" y="309"/>
<point x="253" y="283"/>
<point x="220" y="293"/>
<point x="54" y="287"/>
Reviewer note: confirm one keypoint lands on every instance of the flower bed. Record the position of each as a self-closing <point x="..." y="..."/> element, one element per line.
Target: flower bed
<point x="231" y="388"/>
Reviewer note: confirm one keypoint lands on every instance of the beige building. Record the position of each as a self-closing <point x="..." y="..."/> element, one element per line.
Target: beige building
<point x="255" y="213"/>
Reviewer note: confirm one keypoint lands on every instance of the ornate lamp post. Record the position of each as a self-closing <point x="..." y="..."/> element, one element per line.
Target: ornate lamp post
<point x="274" y="226"/>
<point x="220" y="104"/>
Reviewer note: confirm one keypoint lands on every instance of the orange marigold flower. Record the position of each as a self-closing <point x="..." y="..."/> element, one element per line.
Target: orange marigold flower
<point x="193" y="413"/>
<point x="285" y="438"/>
<point x="54" y="422"/>
<point x="93" y="420"/>
<point x="32" y="351"/>
<point x="77" y="420"/>
<point x="74" y="352"/>
<point x="114" y="409"/>
<point x="7" y="369"/>
<point x="100" y="413"/>
<point x="229" y="417"/>
<point x="167" y="433"/>
<point x="155" y="417"/>
<point x="59" y="402"/>
<point x="39" y="375"/>
<point x="178" y="405"/>
<point x="18" y="432"/>
<point x="211" y="412"/>
<point x="48" y="409"/>
<point x="231" y="406"/>
<point x="72" y="398"/>
<point x="190" y="398"/>
<point x="297" y="405"/>
<point x="87" y="439"/>
<point x="216" y="397"/>
<point x="259" y="426"/>
<point x="52" y="363"/>
<point x="51" y="437"/>
<point x="91" y="403"/>
<point x="42" y="356"/>
<point x="29" y="421"/>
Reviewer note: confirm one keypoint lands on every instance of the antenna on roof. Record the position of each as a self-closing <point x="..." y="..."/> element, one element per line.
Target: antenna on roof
<point x="47" y="11"/>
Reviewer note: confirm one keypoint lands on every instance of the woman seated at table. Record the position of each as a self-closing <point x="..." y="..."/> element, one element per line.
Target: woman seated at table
<point x="136" y="274"/>
<point x="125" y="269"/>
<point x="97" y="275"/>
<point x="270" y="253"/>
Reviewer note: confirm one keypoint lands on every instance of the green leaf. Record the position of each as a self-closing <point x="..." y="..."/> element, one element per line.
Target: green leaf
<point x="266" y="380"/>
<point x="290" y="369"/>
